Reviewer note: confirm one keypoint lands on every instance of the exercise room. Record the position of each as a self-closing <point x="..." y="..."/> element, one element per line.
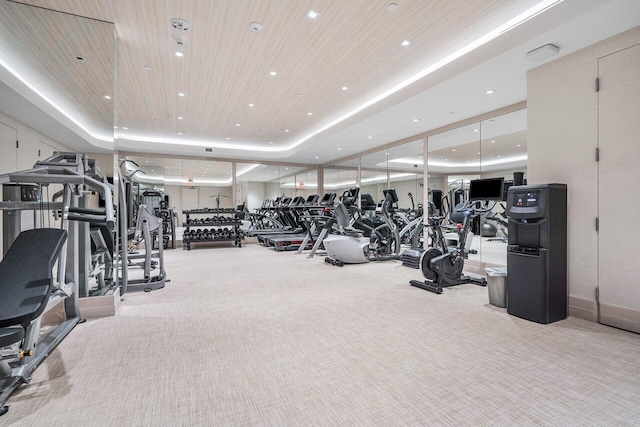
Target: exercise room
<point x="319" y="212"/>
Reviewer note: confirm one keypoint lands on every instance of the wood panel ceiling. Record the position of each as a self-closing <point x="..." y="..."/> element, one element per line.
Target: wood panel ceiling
<point x="354" y="43"/>
<point x="42" y="47"/>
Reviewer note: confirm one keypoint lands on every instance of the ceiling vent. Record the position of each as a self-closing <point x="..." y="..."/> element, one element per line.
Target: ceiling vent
<point x="543" y="53"/>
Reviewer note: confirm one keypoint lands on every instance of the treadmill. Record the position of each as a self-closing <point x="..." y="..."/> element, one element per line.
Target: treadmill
<point x="289" y="242"/>
<point x="285" y="217"/>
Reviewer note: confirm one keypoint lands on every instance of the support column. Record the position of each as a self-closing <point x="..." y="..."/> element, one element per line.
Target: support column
<point x="320" y="178"/>
<point x="425" y="180"/>
<point x="359" y="182"/>
<point x="234" y="195"/>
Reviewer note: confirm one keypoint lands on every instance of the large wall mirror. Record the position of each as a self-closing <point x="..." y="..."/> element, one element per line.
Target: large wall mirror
<point x="493" y="148"/>
<point x="57" y="78"/>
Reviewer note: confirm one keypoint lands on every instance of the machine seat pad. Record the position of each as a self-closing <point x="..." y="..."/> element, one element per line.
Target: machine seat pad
<point x="26" y="275"/>
<point x="12" y="335"/>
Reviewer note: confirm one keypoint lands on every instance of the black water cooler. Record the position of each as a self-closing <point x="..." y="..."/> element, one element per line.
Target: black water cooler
<point x="537" y="252"/>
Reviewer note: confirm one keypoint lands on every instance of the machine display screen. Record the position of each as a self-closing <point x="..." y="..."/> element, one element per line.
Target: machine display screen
<point x="527" y="200"/>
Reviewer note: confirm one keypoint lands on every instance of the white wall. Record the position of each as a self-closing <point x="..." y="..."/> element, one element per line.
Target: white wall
<point x="562" y="115"/>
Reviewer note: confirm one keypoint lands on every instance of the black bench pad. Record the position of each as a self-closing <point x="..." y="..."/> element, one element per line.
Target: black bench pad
<point x="26" y="275"/>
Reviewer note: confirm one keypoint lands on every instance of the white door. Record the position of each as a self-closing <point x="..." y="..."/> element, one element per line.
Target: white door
<point x="619" y="189"/>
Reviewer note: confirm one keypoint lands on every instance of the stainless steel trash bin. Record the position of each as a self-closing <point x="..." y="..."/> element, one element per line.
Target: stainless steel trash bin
<point x="497" y="286"/>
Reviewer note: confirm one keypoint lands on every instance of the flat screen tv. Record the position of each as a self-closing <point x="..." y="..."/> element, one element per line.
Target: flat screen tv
<point x="486" y="189"/>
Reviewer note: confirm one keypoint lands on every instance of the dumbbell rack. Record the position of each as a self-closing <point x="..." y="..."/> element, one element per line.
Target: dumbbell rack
<point x="223" y="218"/>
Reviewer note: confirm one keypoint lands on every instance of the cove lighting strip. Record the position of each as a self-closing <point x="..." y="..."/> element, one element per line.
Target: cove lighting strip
<point x="42" y="95"/>
<point x="379" y="178"/>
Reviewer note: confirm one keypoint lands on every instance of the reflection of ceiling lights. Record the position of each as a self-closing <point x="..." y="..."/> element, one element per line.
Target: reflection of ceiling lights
<point x="418" y="161"/>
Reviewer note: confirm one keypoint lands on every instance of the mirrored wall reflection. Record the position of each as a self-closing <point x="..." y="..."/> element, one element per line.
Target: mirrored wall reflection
<point x="69" y="59"/>
<point x="491" y="149"/>
<point x="341" y="177"/>
<point x="405" y="174"/>
<point x="504" y="155"/>
<point x="454" y="160"/>
<point x="375" y="174"/>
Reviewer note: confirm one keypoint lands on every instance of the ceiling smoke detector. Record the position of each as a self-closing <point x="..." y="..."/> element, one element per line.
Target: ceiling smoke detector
<point x="179" y="24"/>
<point x="255" y="26"/>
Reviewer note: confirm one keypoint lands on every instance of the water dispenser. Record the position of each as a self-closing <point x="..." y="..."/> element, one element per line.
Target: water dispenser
<point x="537" y="252"/>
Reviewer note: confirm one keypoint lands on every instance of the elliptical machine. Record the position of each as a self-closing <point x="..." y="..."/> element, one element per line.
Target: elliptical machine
<point x="350" y="246"/>
<point x="442" y="265"/>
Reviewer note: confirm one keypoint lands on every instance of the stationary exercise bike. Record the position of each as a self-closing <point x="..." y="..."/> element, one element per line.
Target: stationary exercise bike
<point x="442" y="265"/>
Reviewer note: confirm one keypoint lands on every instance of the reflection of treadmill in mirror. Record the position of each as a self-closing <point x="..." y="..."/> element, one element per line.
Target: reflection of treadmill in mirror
<point x="291" y="242"/>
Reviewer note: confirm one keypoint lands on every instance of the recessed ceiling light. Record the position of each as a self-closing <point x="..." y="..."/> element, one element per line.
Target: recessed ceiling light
<point x="273" y="73"/>
<point x="416" y="120"/>
<point x="453" y="149"/>
<point x="270" y="142"/>
<point x="312" y="14"/>
<point x="478" y="153"/>
<point x="180" y="93"/>
<point x="339" y="148"/>
<point x="517" y="145"/>
<point x="492" y="141"/>
<point x="476" y="130"/>
<point x="147" y="68"/>
<point x="406" y="42"/>
<point x="228" y="138"/>
<point x="179" y="133"/>
<point x="446" y="159"/>
<point x="392" y="6"/>
<point x="147" y="161"/>
<point x="125" y="128"/>
<point x="467" y="161"/>
<point x="286" y="130"/>
<point x="180" y="118"/>
<point x="252" y="105"/>
<point x="498" y="155"/>
<point x="179" y="54"/>
<point x="107" y="97"/>
<point x="317" y="157"/>
<point x="237" y="124"/>
<point x="344" y="87"/>
<point x="370" y="137"/>
<point x="309" y="113"/>
<point x="490" y="91"/>
<point x="115" y="127"/>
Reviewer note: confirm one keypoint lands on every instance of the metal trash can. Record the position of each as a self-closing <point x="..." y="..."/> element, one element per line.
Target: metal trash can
<point x="497" y="286"/>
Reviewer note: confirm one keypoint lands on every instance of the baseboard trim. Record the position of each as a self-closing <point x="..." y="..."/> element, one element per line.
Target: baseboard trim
<point x="620" y="317"/>
<point x="100" y="306"/>
<point x="583" y="309"/>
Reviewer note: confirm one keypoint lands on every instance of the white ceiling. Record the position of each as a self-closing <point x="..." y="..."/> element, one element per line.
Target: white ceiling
<point x="352" y="43"/>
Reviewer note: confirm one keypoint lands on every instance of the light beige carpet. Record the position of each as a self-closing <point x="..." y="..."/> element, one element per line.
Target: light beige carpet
<point x="247" y="336"/>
